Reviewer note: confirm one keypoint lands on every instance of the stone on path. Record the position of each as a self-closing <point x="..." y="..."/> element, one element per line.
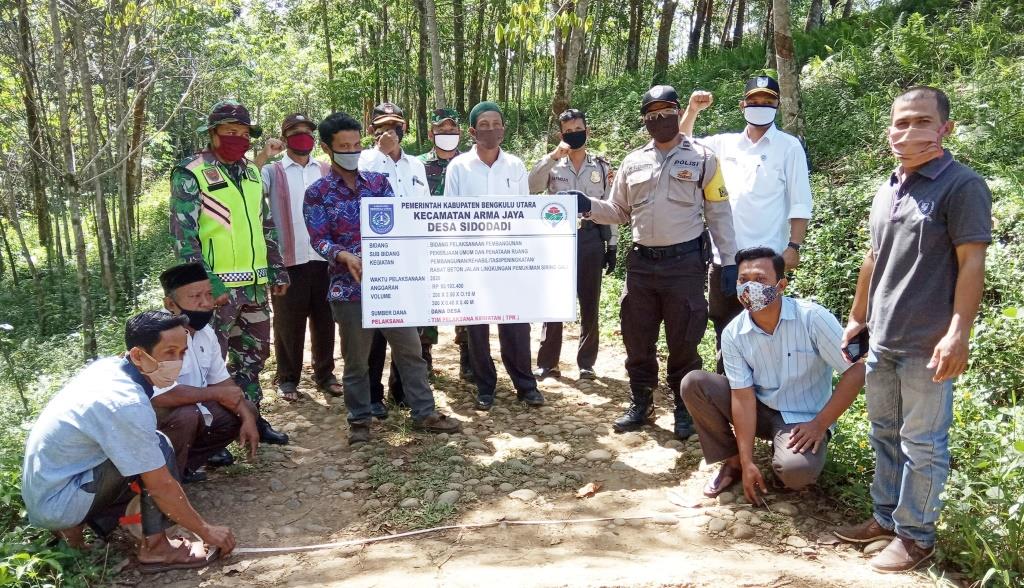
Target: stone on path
<point x="524" y="494"/>
<point x="785" y="508"/>
<point x="410" y="503"/>
<point x="449" y="497"/>
<point x="331" y="473"/>
<point x="742" y="531"/>
<point x="558" y="459"/>
<point x="598" y="455"/>
<point x="717" y="525"/>
<point x="276" y="485"/>
<point x="664" y="519"/>
<point x="726" y="498"/>
<point x="506" y="487"/>
<point x="796" y="541"/>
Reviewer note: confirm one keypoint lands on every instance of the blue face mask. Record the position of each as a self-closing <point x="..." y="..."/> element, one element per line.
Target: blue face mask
<point x="346" y="160"/>
<point x="755" y="296"/>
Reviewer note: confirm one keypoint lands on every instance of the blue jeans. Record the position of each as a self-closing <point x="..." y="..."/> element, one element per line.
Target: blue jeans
<point x="910" y="417"/>
<point x="406" y="354"/>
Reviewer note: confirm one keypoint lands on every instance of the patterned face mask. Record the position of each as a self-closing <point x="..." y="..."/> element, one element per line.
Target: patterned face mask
<point x="755" y="296"/>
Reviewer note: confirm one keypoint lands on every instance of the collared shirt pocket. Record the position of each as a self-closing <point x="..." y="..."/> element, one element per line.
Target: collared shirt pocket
<point x="640" y="185"/>
<point x="769" y="177"/>
<point x="684" y="184"/>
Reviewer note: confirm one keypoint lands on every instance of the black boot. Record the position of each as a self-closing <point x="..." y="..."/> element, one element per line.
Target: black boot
<point x="267" y="433"/>
<point x="684" y="422"/>
<point x="222" y="458"/>
<point x="639" y="413"/>
<point x="465" y="368"/>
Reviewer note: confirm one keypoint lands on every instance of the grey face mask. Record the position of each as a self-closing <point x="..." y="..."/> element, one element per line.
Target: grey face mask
<point x="347" y="161"/>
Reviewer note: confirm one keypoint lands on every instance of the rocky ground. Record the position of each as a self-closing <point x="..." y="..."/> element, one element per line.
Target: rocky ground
<point x="512" y="464"/>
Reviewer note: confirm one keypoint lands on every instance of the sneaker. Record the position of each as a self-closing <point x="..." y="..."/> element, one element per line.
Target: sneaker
<point x="902" y="555"/>
<point x="542" y="373"/>
<point x="358" y="432"/>
<point x="379" y="410"/>
<point x="484" y="403"/>
<point x="865" y="532"/>
<point x="531" y="397"/>
<point x="587" y="374"/>
<point x="438" y="423"/>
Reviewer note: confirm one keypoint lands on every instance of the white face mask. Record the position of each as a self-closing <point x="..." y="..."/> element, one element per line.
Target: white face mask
<point x="447" y="142"/>
<point x="760" y="116"/>
<point x="347" y="161"/>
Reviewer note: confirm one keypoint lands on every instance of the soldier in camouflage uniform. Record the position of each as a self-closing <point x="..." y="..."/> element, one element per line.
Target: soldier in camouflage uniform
<point x="219" y="218"/>
<point x="445" y="134"/>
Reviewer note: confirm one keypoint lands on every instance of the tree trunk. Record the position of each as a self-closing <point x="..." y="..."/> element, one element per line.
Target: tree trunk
<point x="636" y="17"/>
<point x="737" y="29"/>
<point x="459" y="29"/>
<point x="576" y="37"/>
<point x="421" y="78"/>
<point x="37" y="280"/>
<point x="436" y="71"/>
<point x="324" y="14"/>
<point x="474" y="80"/>
<point x="70" y="186"/>
<point x="848" y="9"/>
<point x="815" y="16"/>
<point x="503" y="72"/>
<point x="35" y="135"/>
<point x="709" y="15"/>
<point x="769" y="37"/>
<point x="10" y="255"/>
<point x="789" y="72"/>
<point x="668" y="14"/>
<point x="693" y="48"/>
<point x="104" y="240"/>
<point x="725" y="39"/>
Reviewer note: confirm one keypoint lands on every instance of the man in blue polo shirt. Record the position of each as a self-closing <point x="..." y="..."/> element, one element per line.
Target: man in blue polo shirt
<point x="97" y="438"/>
<point x="779" y="359"/>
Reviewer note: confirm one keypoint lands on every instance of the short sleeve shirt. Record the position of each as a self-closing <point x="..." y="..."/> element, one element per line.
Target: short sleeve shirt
<point x="103" y="413"/>
<point x="916" y="225"/>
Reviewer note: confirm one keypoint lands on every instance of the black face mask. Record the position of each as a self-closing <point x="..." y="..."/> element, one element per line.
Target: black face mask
<point x="197" y="319"/>
<point x="664" y="129"/>
<point x="575" y="139"/>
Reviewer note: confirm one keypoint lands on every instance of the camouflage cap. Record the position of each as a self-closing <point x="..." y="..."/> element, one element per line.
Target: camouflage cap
<point x="230" y="111"/>
<point x="440" y="115"/>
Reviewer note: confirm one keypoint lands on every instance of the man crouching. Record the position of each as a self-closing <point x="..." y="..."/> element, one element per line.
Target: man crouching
<point x="779" y="358"/>
<point x="96" y="445"/>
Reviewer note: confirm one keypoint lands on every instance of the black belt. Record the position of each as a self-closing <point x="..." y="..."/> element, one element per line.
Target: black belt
<point x="677" y="250"/>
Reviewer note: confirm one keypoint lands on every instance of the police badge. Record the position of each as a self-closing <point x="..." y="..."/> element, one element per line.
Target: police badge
<point x="595" y="177"/>
<point x="214" y="179"/>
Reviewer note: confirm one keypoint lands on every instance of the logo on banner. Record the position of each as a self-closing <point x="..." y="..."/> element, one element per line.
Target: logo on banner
<point x="553" y="214"/>
<point x="382" y="218"/>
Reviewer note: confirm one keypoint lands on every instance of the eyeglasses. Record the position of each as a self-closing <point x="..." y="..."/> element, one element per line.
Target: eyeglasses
<point x="660" y="114"/>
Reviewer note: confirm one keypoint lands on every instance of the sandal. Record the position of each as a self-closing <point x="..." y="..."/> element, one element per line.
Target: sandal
<point x="332" y="389"/>
<point x="289" y="392"/>
<point x="190" y="563"/>
<point x="727" y="476"/>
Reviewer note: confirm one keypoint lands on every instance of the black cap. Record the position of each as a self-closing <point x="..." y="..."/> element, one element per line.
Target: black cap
<point x="230" y="111"/>
<point x="766" y="84"/>
<point x="182" y="275"/>
<point x="659" y="94"/>
<point x="386" y="112"/>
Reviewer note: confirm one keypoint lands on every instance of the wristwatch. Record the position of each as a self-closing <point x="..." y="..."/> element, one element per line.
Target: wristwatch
<point x="794" y="246"/>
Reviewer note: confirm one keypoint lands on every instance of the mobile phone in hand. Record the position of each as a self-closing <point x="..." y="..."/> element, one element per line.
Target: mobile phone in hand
<point x="857" y="348"/>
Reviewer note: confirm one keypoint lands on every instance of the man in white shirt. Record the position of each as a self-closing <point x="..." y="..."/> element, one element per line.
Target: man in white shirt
<point x="204" y="410"/>
<point x="284" y="185"/>
<point x="487" y="170"/>
<point x="765" y="172"/>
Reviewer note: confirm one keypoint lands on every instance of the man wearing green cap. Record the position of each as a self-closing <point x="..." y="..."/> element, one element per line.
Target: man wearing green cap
<point x="219" y="218"/>
<point x="445" y="134"/>
<point x="487" y="170"/>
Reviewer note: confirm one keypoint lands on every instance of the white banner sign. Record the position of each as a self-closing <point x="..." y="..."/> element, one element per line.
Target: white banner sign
<point x="463" y="261"/>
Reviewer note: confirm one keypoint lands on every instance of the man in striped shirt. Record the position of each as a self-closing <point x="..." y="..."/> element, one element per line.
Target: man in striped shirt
<point x="779" y="359"/>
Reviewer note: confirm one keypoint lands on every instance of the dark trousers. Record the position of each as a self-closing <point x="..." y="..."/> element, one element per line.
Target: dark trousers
<point x="193" y="441"/>
<point x="378" y="356"/>
<point x="112" y="492"/>
<point x="589" y="263"/>
<point x="669" y="290"/>
<point x="708" y="397"/>
<point x="305" y="301"/>
<point x="721" y="310"/>
<point x="514" y="339"/>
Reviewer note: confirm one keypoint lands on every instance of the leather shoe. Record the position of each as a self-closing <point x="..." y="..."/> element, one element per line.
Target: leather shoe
<point x="865" y="532"/>
<point x="531" y="397"/>
<point x="587" y="374"/>
<point x="542" y="373"/>
<point x="484" y="403"/>
<point x="268" y="434"/>
<point x="192" y="477"/>
<point x="902" y="555"/>
<point x="358" y="432"/>
<point x="683" y="425"/>
<point x="379" y="410"/>
<point x="438" y="423"/>
<point x="222" y="458"/>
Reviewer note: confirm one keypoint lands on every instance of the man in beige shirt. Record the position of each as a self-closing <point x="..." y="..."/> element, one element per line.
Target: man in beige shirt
<point x="571" y="167"/>
<point x="665" y="191"/>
